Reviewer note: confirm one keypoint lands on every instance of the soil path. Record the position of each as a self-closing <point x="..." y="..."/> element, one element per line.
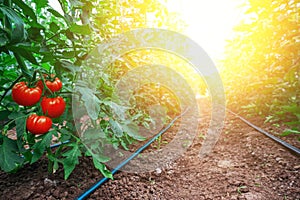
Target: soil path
<point x="243" y="165"/>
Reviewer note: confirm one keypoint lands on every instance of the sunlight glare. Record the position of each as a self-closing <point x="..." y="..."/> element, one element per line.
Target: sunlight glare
<point x="209" y="22"/>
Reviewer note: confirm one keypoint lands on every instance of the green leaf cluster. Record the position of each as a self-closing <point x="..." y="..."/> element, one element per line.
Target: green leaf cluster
<point x="262" y="68"/>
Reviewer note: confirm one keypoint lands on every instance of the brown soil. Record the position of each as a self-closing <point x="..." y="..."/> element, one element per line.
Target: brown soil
<point x="243" y="165"/>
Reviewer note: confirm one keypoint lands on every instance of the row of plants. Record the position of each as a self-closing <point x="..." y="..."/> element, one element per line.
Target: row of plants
<point x="263" y="59"/>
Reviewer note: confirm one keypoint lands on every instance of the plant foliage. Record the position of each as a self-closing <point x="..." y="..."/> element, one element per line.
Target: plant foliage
<point x="35" y="40"/>
<point x="263" y="60"/>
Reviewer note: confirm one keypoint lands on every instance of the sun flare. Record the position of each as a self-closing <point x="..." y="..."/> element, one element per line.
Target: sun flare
<point x="209" y="23"/>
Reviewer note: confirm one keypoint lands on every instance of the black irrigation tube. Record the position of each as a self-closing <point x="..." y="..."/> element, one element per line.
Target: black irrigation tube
<point x="283" y="143"/>
<point x="122" y="164"/>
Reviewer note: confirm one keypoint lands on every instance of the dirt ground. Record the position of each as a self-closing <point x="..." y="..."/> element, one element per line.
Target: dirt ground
<point x="244" y="164"/>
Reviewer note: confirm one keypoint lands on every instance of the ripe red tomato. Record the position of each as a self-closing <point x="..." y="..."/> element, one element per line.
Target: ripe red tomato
<point x="54" y="86"/>
<point x="38" y="124"/>
<point x="25" y="96"/>
<point x="53" y="107"/>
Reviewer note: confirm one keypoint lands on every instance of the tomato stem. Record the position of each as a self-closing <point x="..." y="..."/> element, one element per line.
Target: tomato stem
<point x="44" y="84"/>
<point x="30" y="84"/>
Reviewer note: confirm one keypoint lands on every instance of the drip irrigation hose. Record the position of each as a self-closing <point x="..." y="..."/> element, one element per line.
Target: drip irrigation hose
<point x="58" y="144"/>
<point x="283" y="143"/>
<point x="122" y="164"/>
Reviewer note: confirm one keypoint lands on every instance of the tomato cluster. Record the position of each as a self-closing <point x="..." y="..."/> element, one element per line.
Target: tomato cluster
<point x="54" y="86"/>
<point x="52" y="107"/>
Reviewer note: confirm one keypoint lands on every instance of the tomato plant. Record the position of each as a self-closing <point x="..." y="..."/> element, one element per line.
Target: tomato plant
<point x="25" y="96"/>
<point x="38" y="124"/>
<point x="37" y="43"/>
<point x="53" y="107"/>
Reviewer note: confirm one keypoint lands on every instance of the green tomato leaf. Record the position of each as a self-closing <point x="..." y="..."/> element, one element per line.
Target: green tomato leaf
<point x="47" y="58"/>
<point x="133" y="131"/>
<point x="55" y="13"/>
<point x="25" y="53"/>
<point x="26" y="9"/>
<point x="28" y="46"/>
<point x="71" y="159"/>
<point x="35" y="24"/>
<point x="40" y="146"/>
<point x="10" y="160"/>
<point x="116" y="128"/>
<point x="118" y="110"/>
<point x="11" y="75"/>
<point x="68" y="54"/>
<point x="93" y="134"/>
<point x="16" y="30"/>
<point x="81" y="29"/>
<point x="91" y="102"/>
<point x="100" y="158"/>
<point x="100" y="166"/>
<point x="20" y="126"/>
<point x="15" y="115"/>
<point x="54" y="27"/>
